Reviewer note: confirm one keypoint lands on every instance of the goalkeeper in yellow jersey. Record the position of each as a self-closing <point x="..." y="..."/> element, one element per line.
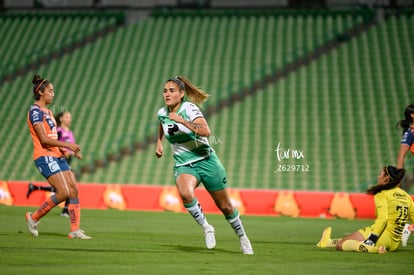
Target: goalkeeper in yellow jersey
<point x="394" y="208"/>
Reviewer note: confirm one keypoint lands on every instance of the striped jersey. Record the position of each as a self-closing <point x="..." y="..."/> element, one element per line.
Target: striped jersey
<point x="187" y="146"/>
<point x="394" y="208"/>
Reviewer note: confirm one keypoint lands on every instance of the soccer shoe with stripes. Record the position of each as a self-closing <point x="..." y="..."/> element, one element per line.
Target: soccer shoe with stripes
<point x="32" y="225"/>
<point x="78" y="234"/>
<point x="209" y="236"/>
<point x="326" y="236"/>
<point x="405" y="235"/>
<point x="246" y="246"/>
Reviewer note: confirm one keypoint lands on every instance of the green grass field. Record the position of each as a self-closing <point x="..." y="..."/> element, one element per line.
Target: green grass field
<point x="133" y="242"/>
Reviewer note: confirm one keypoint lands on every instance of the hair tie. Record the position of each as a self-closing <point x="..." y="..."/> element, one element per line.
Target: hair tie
<point x="388" y="173"/>
<point x="38" y="86"/>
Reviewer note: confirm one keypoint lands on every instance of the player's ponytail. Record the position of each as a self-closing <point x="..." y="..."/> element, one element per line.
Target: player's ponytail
<point x="194" y="94"/>
<point x="395" y="175"/>
<point x="39" y="84"/>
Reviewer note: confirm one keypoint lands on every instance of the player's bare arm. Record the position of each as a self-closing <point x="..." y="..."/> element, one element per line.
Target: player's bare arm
<point x="50" y="142"/>
<point x="198" y="126"/>
<point x="404" y="148"/>
<point x="159" y="148"/>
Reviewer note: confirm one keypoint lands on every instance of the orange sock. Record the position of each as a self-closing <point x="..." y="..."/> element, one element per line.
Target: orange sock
<point x="45" y="208"/>
<point x="74" y="214"/>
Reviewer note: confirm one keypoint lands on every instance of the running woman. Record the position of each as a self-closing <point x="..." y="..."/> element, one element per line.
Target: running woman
<point x="50" y="160"/>
<point x="407" y="145"/>
<point x="64" y="121"/>
<point x="184" y="126"/>
<point x="393" y="209"/>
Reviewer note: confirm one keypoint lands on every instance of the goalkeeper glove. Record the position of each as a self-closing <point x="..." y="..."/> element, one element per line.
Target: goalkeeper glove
<point x="372" y="239"/>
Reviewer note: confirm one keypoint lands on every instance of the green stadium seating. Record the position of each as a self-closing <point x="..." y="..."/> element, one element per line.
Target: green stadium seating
<point x="340" y="110"/>
<point x="29" y="38"/>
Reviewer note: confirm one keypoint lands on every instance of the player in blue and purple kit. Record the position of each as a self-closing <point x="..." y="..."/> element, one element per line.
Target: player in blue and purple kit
<point x="63" y="121"/>
<point x="50" y="160"/>
<point x="407" y="144"/>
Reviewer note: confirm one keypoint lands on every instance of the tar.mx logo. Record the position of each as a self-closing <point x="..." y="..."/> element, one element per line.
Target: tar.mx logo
<point x="288" y="153"/>
<point x="212" y="140"/>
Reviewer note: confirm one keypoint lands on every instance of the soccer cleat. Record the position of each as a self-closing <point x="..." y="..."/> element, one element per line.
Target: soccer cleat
<point x="405" y="235"/>
<point x="30" y="190"/>
<point x="65" y="213"/>
<point x="326" y="236"/>
<point x="209" y="236"/>
<point x="246" y="246"/>
<point x="32" y="225"/>
<point x="78" y="234"/>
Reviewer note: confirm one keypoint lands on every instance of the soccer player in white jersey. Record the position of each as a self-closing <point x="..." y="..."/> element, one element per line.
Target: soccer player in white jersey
<point x="184" y="126"/>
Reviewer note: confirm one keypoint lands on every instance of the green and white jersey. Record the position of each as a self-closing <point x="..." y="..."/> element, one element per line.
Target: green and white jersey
<point x="187" y="147"/>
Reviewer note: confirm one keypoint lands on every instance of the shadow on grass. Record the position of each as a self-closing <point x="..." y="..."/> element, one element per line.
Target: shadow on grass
<point x="193" y="249"/>
<point x="164" y="248"/>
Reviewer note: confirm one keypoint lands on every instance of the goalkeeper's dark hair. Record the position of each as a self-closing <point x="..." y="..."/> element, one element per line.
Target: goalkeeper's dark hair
<point x="396" y="175"/>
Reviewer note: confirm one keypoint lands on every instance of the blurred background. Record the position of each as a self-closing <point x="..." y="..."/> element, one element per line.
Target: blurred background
<point x="305" y="95"/>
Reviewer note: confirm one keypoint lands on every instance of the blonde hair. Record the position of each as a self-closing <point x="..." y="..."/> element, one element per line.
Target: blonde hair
<point x="195" y="95"/>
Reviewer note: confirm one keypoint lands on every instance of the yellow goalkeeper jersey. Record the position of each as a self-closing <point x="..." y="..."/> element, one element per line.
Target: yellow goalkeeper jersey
<point x="394" y="208"/>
